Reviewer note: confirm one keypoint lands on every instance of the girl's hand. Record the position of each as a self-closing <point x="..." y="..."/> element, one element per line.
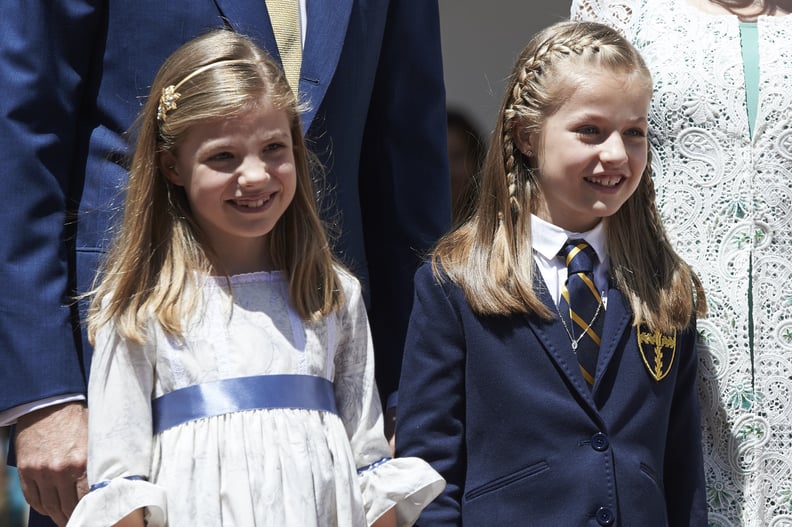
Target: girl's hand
<point x="386" y="520"/>
<point x="135" y="519"/>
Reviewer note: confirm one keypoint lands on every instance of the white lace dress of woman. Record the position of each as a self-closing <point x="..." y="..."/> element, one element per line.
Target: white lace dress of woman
<point x="726" y="200"/>
<point x="277" y="466"/>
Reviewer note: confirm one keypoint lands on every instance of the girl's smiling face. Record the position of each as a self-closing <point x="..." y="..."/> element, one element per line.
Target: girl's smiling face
<point x="239" y="176"/>
<point x="591" y="153"/>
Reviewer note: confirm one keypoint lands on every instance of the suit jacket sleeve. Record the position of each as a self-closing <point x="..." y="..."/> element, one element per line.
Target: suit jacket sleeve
<point x="45" y="50"/>
<point x="405" y="188"/>
<point x="431" y="414"/>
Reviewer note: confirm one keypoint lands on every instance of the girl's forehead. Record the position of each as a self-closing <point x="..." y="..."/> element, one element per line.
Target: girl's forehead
<point x="603" y="95"/>
<point x="611" y="82"/>
<point x="579" y="72"/>
<point x="257" y="122"/>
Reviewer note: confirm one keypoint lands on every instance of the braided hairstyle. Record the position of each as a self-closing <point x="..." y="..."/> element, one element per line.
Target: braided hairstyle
<point x="491" y="257"/>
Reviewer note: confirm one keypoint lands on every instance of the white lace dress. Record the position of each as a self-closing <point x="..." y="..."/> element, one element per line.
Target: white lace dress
<point x="266" y="467"/>
<point x="726" y="199"/>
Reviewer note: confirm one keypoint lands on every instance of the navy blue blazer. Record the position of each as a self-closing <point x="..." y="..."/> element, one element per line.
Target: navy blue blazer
<point x="75" y="73"/>
<point x="499" y="407"/>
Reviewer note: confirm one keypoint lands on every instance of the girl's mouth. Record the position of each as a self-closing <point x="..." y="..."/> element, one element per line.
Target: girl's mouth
<point x="252" y="203"/>
<point x="605" y="181"/>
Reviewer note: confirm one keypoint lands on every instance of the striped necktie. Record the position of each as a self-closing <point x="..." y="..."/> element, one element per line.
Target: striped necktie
<point x="580" y="306"/>
<point x="285" y="18"/>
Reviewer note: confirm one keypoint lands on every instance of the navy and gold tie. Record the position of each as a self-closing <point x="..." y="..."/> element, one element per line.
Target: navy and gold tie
<point x="580" y="306"/>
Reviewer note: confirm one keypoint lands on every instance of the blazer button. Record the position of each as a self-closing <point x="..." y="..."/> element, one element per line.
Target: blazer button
<point x="599" y="442"/>
<point x="605" y="516"/>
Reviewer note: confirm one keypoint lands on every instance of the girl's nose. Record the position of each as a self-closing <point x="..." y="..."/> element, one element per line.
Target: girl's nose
<point x="613" y="150"/>
<point x="252" y="172"/>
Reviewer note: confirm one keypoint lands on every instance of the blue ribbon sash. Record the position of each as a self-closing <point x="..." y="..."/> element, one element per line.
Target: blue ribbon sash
<point x="242" y="393"/>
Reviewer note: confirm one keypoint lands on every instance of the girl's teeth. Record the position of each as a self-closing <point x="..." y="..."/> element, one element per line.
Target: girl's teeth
<point x="252" y="204"/>
<point x="606" y="182"/>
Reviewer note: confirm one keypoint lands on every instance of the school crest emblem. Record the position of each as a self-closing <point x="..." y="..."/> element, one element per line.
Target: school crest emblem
<point x="658" y="351"/>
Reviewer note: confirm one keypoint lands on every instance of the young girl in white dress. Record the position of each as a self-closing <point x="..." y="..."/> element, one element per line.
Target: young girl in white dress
<point x="232" y="380"/>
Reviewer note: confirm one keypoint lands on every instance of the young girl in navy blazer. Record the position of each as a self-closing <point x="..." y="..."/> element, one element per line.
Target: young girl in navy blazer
<point x="544" y="393"/>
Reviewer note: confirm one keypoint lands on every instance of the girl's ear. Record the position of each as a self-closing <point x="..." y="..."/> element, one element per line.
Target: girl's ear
<point x="167" y="165"/>
<point x="526" y="141"/>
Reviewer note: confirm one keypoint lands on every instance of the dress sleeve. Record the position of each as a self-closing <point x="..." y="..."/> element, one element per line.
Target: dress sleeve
<point x="684" y="482"/>
<point x="619" y="14"/>
<point x="120" y="437"/>
<point x="408" y="484"/>
<point x="431" y="418"/>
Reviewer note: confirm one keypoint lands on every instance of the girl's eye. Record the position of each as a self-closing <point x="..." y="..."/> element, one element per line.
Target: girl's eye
<point x="221" y="156"/>
<point x="636" y="132"/>
<point x="588" y="130"/>
<point x="272" y="147"/>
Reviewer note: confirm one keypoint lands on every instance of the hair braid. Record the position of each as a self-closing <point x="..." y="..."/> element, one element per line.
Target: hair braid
<point x="525" y="100"/>
<point x="491" y="255"/>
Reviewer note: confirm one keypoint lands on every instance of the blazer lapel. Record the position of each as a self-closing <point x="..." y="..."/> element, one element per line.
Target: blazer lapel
<point x="327" y="29"/>
<point x="556" y="342"/>
<point x="618" y="319"/>
<point x="250" y="17"/>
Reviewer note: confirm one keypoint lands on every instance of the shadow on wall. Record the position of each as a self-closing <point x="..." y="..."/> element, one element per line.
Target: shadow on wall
<point x="466" y="150"/>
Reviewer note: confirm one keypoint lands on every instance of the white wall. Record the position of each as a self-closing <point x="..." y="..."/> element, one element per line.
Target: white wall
<point x="481" y="41"/>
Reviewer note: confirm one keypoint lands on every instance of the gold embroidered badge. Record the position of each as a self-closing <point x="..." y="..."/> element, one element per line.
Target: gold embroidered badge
<point x="657" y="351"/>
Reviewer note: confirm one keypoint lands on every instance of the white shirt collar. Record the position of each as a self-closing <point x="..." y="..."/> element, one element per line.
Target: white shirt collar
<point x="549" y="239"/>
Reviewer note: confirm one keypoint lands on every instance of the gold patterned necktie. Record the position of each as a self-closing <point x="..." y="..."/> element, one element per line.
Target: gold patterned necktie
<point x="581" y="301"/>
<point x="285" y="18"/>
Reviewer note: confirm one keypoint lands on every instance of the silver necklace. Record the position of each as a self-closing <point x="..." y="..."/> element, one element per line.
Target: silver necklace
<point x="572" y="340"/>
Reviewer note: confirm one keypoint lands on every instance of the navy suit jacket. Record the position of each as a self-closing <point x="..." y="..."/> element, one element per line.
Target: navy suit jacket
<point x="499" y="407"/>
<point x="74" y="75"/>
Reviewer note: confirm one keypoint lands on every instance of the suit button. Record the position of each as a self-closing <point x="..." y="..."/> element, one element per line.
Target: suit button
<point x="599" y="442"/>
<point x="605" y="516"/>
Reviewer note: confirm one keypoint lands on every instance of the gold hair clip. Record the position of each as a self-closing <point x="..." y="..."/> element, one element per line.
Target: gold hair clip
<point x="167" y="101"/>
<point x="169" y="95"/>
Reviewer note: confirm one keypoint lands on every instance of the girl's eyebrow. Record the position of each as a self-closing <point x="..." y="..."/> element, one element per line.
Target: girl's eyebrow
<point x="592" y="116"/>
<point x="602" y="121"/>
<point x="225" y="141"/>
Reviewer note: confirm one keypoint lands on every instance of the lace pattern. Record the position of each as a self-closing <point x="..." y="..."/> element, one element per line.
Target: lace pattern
<point x="726" y="199"/>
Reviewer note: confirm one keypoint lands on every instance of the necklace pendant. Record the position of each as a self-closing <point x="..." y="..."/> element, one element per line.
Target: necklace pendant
<point x="574" y="345"/>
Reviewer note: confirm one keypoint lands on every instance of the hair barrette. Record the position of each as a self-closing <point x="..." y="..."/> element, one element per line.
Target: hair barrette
<point x="167" y="101"/>
<point x="169" y="95"/>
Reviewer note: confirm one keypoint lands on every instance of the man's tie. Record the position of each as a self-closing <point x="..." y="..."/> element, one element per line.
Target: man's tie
<point x="285" y="18"/>
<point x="580" y="306"/>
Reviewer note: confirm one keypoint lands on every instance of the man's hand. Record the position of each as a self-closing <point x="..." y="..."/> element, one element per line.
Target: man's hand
<point x="51" y="451"/>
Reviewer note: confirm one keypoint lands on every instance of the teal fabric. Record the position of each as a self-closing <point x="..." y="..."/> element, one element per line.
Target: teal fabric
<point x="749" y="39"/>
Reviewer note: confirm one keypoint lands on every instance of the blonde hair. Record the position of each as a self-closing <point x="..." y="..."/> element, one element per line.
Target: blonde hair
<point x="150" y="269"/>
<point x="491" y="257"/>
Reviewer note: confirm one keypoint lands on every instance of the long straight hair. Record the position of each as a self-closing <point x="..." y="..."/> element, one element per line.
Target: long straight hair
<point x="151" y="268"/>
<point x="491" y="257"/>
